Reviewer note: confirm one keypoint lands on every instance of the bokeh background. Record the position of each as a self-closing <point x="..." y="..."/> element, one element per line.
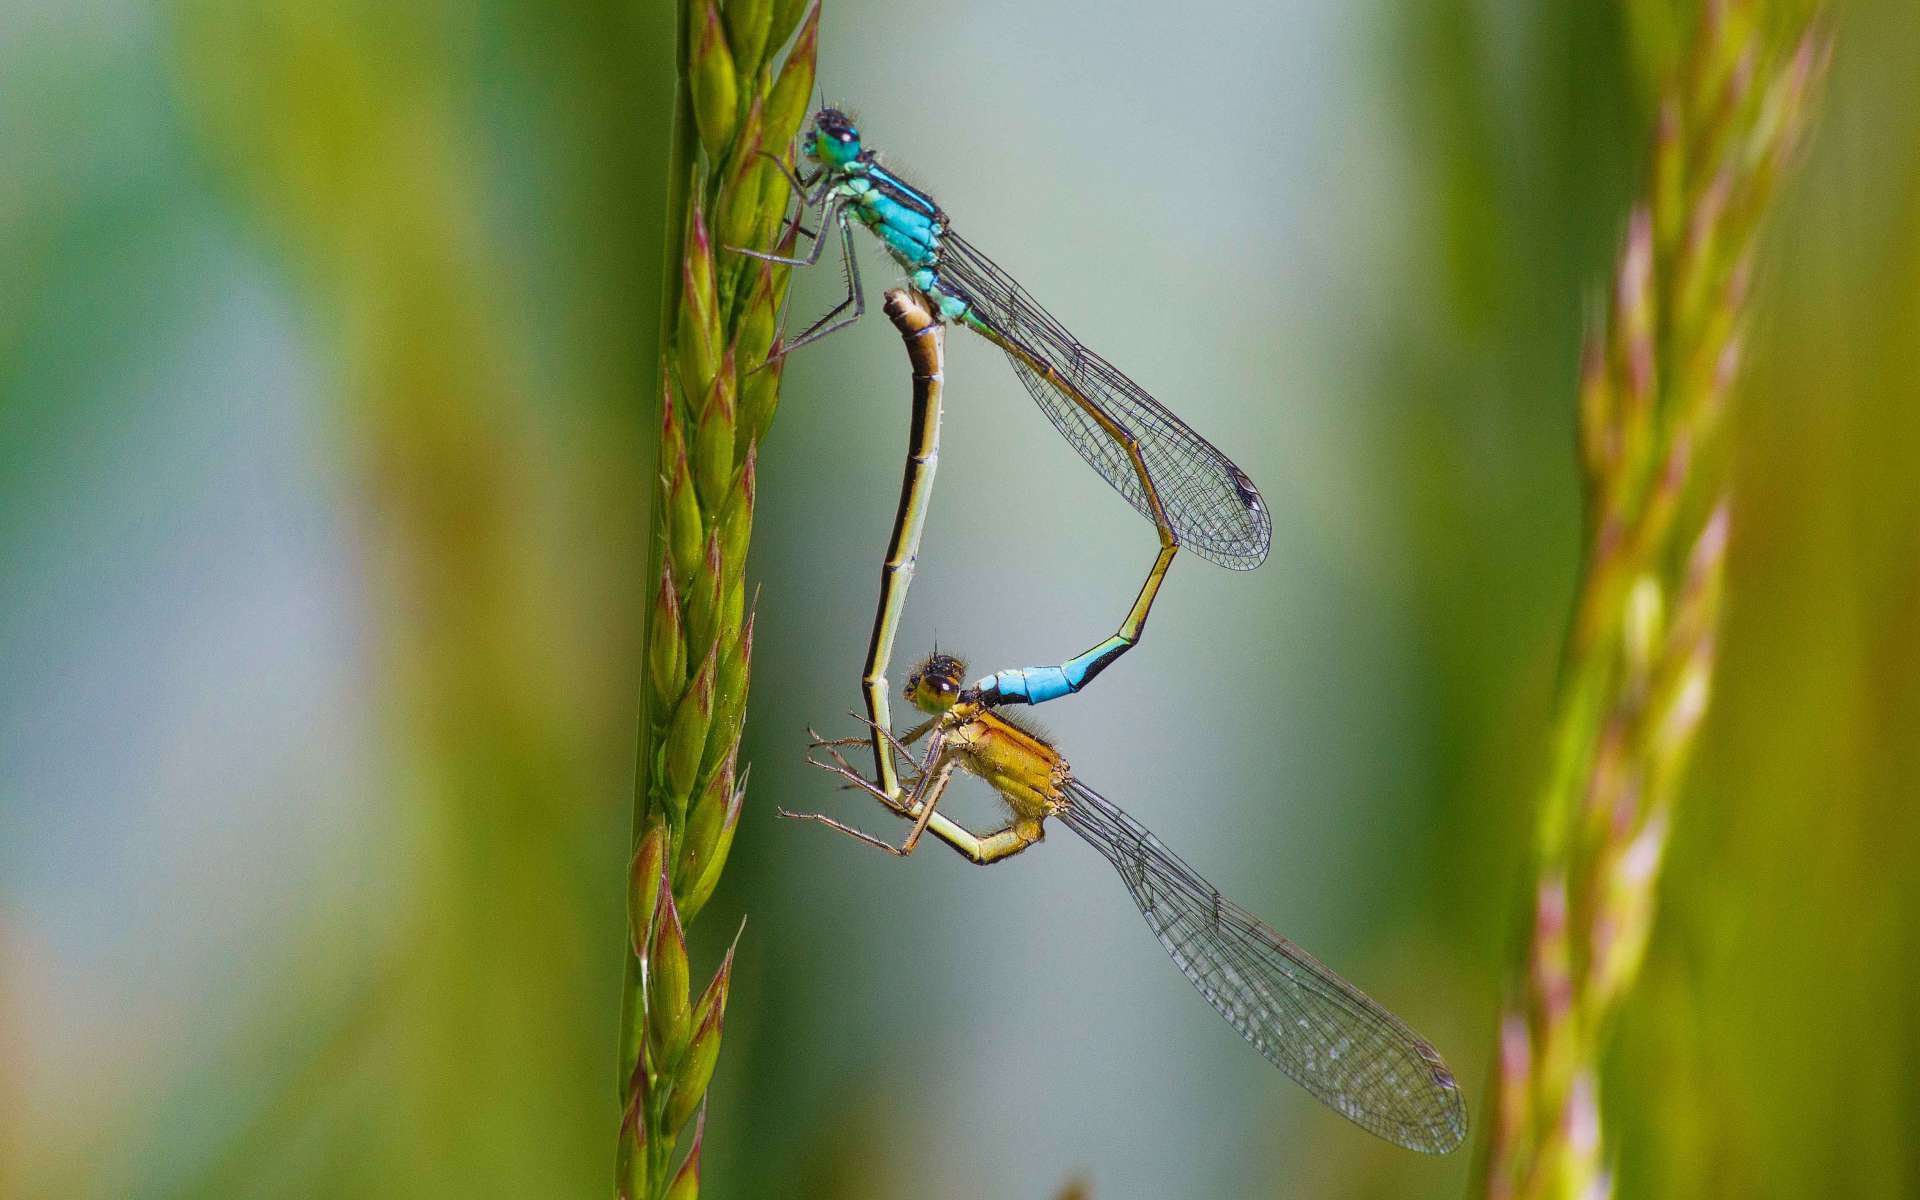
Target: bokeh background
<point x="326" y="358"/>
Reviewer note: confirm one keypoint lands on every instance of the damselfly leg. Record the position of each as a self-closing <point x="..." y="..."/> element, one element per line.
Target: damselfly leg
<point x="827" y="326"/>
<point x="829" y="213"/>
<point x="921" y="805"/>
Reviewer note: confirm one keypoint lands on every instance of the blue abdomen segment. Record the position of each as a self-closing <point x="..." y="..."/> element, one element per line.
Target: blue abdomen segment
<point x="1037" y="685"/>
<point x="904" y="244"/>
<point x="1023" y="685"/>
<point x="953" y="307"/>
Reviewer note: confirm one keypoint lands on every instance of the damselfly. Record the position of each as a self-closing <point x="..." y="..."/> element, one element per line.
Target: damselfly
<point x="1194" y="494"/>
<point x="1353" y="1055"/>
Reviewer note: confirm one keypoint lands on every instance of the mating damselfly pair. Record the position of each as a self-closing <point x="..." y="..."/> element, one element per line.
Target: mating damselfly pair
<point x="1344" y="1048"/>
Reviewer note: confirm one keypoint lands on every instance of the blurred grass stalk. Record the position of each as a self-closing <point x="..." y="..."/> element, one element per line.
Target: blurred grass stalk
<point x="734" y="113"/>
<point x="1655" y="386"/>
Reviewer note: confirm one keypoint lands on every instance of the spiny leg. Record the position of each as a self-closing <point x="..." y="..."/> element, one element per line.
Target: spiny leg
<point x="799" y="188"/>
<point x="827" y="214"/>
<point x="901" y="742"/>
<point x="855" y="296"/>
<point x="850" y="831"/>
<point x="920" y="808"/>
<point x="936" y="772"/>
<point x="794" y="182"/>
<point x="851" y="778"/>
<point x="894" y="800"/>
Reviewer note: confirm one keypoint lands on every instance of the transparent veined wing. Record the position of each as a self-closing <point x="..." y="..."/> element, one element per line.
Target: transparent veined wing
<point x="1213" y="507"/>
<point x="1353" y="1055"/>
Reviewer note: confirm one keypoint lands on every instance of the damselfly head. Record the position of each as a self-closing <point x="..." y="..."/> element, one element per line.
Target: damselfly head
<point x="934" y="685"/>
<point x="835" y="140"/>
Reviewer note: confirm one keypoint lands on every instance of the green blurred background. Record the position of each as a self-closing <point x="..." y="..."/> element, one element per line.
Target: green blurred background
<point x="326" y="391"/>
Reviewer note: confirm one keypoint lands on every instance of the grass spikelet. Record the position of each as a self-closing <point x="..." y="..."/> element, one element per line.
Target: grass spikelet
<point x="1655" y="384"/>
<point x="717" y="400"/>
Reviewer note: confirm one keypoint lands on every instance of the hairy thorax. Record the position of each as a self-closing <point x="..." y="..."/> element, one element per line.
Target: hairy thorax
<point x="1026" y="772"/>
